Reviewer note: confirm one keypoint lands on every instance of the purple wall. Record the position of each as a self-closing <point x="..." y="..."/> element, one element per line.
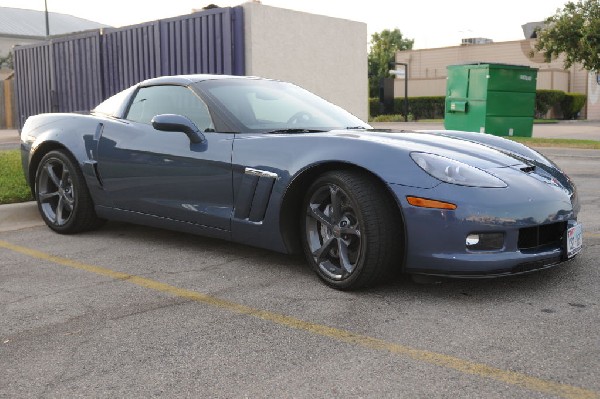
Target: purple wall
<point x="76" y="72"/>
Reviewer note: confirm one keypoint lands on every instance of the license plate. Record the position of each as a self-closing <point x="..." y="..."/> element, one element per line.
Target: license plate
<point x="574" y="240"/>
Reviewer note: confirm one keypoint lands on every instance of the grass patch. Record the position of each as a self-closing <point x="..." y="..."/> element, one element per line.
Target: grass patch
<point x="13" y="187"/>
<point x="562" y="143"/>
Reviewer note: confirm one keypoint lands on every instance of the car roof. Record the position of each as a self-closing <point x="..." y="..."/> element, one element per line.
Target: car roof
<point x="189" y="79"/>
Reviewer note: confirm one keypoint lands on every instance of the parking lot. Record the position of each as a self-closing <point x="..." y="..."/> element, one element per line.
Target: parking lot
<point x="129" y="311"/>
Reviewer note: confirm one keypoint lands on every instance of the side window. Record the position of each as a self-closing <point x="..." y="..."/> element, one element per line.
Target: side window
<point x="156" y="100"/>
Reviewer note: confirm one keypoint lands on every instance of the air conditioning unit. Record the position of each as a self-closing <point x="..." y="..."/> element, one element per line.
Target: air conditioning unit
<point x="476" y="40"/>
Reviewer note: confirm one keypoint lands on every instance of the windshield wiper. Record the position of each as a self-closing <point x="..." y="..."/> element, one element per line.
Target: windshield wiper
<point x="296" y="131"/>
<point x="357" y="128"/>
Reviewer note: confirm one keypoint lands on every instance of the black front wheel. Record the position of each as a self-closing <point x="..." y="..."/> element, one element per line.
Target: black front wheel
<point x="62" y="195"/>
<point x="352" y="233"/>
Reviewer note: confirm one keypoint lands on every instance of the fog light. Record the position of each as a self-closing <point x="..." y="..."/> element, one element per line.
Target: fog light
<point x="472" y="239"/>
<point x="485" y="241"/>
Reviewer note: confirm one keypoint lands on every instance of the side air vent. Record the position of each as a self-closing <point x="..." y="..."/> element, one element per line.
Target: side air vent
<point x="528" y="169"/>
<point x="253" y="195"/>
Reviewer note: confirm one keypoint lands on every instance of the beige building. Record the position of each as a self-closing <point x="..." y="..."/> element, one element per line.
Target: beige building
<point x="427" y="70"/>
<point x="322" y="54"/>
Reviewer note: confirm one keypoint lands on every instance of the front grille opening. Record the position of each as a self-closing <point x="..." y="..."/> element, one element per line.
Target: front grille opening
<point x="547" y="235"/>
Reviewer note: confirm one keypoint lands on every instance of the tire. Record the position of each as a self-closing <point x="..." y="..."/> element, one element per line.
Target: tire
<point x="62" y="195"/>
<point x="351" y="230"/>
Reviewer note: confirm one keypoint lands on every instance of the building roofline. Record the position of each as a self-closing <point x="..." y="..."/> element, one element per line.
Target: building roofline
<point x="469" y="46"/>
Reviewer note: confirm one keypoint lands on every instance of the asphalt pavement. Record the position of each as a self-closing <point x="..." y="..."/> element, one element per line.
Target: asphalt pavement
<point x="131" y="311"/>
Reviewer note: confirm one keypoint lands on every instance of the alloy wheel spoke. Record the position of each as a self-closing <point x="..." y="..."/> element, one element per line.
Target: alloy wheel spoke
<point x="46" y="196"/>
<point x="68" y="202"/>
<point x="320" y="253"/>
<point x="65" y="176"/>
<point x="350" y="231"/>
<point x="344" y="260"/>
<point x="58" y="219"/>
<point x="336" y="204"/>
<point x="52" y="175"/>
<point x="319" y="216"/>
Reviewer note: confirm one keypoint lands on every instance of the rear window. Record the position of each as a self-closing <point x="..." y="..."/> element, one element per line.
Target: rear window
<point x="113" y="106"/>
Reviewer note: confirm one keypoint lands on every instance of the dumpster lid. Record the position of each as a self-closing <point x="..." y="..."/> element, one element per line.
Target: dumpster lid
<point x="493" y="65"/>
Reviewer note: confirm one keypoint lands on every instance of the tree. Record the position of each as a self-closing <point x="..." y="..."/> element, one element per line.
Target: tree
<point x="575" y="32"/>
<point x="383" y="51"/>
<point x="7" y="60"/>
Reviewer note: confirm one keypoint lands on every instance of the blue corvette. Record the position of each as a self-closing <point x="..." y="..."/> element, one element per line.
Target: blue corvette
<point x="266" y="163"/>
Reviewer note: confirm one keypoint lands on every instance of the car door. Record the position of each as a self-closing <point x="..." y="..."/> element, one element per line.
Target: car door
<point x="162" y="173"/>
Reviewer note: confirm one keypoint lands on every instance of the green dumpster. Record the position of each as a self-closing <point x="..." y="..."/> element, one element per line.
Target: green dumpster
<point x="491" y="98"/>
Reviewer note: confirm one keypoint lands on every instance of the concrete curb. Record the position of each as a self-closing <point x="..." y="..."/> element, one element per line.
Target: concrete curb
<point x="19" y="216"/>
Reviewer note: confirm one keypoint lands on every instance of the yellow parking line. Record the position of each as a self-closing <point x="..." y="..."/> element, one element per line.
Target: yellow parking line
<point x="587" y="234"/>
<point x="439" y="359"/>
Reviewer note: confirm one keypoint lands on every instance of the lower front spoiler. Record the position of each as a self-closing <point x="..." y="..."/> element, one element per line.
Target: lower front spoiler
<point x="519" y="269"/>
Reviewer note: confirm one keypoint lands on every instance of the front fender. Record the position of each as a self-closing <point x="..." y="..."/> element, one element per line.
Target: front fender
<point x="293" y="159"/>
<point x="290" y="155"/>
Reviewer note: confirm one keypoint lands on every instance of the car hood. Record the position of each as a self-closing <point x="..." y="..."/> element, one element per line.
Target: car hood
<point x="480" y="155"/>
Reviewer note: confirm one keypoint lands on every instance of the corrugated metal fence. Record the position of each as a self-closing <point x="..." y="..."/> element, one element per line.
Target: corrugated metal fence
<point x="76" y="72"/>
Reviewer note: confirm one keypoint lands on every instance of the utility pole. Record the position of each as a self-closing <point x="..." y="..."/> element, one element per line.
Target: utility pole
<point x="398" y="73"/>
<point x="47" y="20"/>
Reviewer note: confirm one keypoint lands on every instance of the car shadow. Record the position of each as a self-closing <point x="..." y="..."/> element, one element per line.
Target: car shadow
<point x="402" y="287"/>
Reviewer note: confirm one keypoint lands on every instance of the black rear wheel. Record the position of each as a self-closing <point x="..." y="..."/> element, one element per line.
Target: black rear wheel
<point x="352" y="234"/>
<point x="62" y="195"/>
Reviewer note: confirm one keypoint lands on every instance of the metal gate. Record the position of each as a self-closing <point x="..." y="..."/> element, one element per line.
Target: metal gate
<point x="76" y="72"/>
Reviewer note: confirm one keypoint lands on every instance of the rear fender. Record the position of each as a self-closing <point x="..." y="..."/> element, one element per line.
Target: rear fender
<point x="75" y="134"/>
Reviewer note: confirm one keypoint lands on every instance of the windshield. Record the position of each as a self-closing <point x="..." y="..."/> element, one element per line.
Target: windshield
<point x="270" y="106"/>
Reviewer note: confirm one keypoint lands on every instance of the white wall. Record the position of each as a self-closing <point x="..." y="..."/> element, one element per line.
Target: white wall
<point x="593" y="97"/>
<point x="7" y="43"/>
<point x="325" y="55"/>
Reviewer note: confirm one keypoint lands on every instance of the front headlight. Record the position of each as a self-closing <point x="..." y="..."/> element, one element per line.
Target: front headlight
<point x="455" y="172"/>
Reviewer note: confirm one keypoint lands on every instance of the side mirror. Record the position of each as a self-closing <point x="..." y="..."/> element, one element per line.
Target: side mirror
<point x="178" y="123"/>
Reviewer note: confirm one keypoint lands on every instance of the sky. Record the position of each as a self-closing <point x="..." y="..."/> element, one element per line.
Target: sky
<point x="431" y="23"/>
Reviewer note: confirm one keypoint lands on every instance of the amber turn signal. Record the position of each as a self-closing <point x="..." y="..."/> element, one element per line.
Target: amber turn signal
<point x="429" y="203"/>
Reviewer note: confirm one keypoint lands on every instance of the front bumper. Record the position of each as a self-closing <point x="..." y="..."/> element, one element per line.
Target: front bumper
<point x="435" y="239"/>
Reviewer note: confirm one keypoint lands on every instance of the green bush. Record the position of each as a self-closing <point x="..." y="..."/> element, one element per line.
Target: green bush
<point x="392" y="118"/>
<point x="433" y="107"/>
<point x="421" y="107"/>
<point x="571" y="104"/>
<point x="418" y="108"/>
<point x="546" y="99"/>
<point x="374" y="107"/>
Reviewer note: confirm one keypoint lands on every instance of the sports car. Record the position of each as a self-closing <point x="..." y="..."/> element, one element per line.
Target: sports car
<point x="269" y="164"/>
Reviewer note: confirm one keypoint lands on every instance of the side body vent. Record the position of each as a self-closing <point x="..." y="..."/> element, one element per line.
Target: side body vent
<point x="254" y="194"/>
